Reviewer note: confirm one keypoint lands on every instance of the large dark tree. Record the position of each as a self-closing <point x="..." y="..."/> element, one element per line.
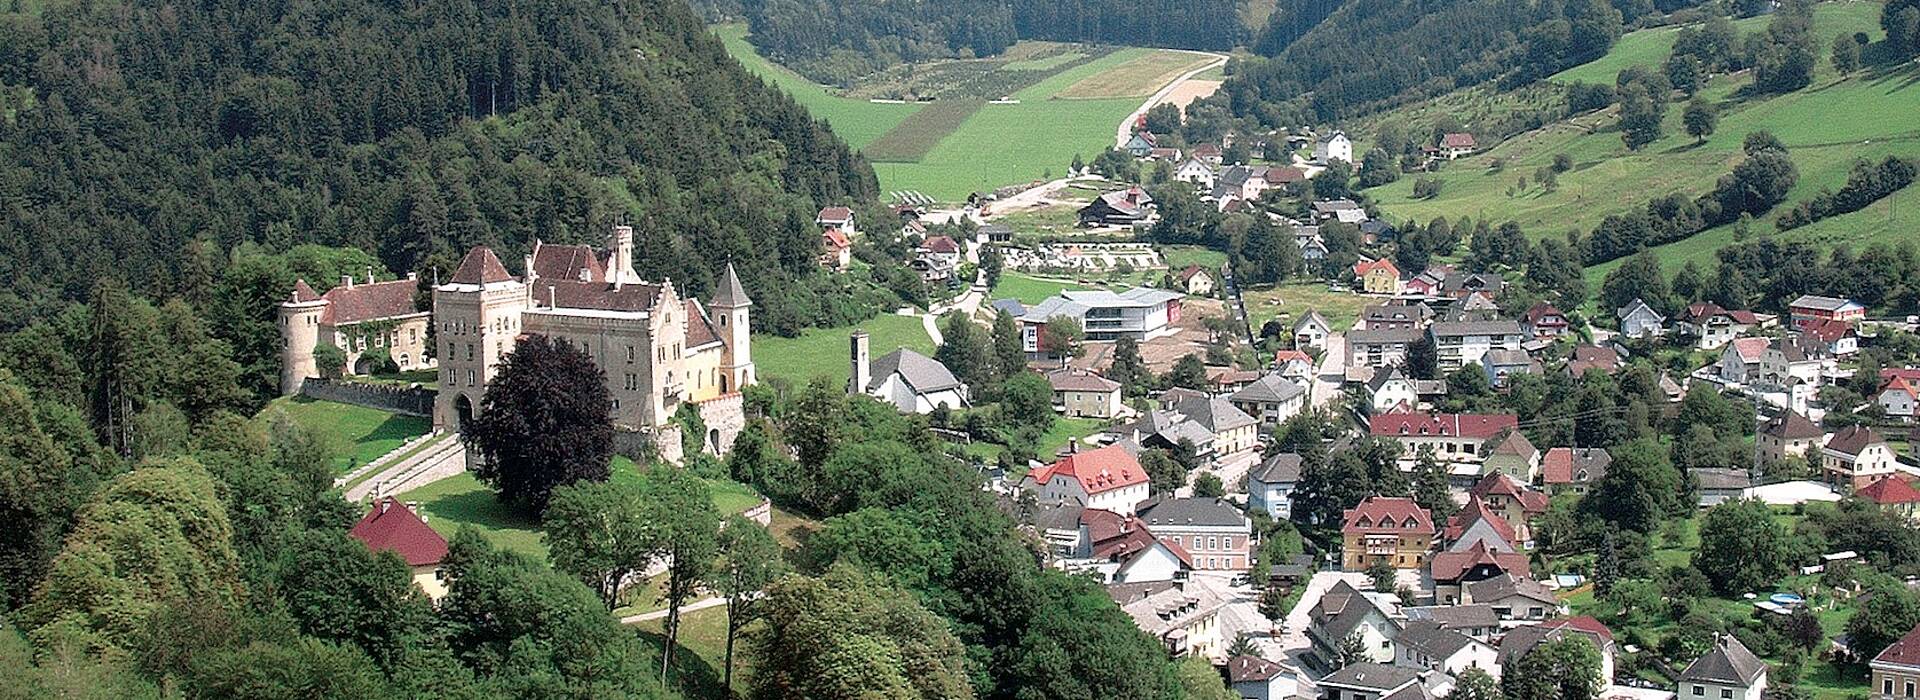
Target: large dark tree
<point x="545" y="422"/>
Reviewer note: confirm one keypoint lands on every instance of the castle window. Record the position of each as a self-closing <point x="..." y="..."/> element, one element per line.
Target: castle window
<point x="723" y="320"/>
<point x="469" y="377"/>
<point x="469" y="352"/>
<point x="629" y="353"/>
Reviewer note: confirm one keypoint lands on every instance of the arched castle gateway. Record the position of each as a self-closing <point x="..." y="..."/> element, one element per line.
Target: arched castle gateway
<point x="657" y="349"/>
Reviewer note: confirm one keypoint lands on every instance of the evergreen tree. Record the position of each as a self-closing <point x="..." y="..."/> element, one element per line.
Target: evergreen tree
<point x="965" y="351"/>
<point x="1423" y="358"/>
<point x="544" y="423"/>
<point x="1128" y="368"/>
<point x="1430" y="487"/>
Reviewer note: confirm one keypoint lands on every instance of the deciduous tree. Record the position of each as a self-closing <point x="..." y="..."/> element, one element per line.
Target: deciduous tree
<point x="545" y="422"/>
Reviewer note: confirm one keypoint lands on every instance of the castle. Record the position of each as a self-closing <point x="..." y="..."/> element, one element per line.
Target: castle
<point x="657" y="349"/>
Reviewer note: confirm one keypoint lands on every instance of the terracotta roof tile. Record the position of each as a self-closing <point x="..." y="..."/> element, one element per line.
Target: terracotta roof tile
<point x="1386" y="515"/>
<point x="1890" y="491"/>
<point x="480" y="266"/>
<point x="1098" y="471"/>
<point x="362" y="302"/>
<point x="391" y="526"/>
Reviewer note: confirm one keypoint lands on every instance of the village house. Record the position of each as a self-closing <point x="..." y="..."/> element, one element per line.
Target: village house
<point x="1255" y="678"/>
<point x="1476" y="524"/>
<point x="1895" y="670"/>
<point x="1740" y="360"/>
<point x="1247" y="182"/>
<point x="1457" y="145"/>
<point x="1486" y="285"/>
<point x="1789" y="436"/>
<point x="1391" y="391"/>
<point x="1898" y="398"/>
<point x="1838" y="336"/>
<point x="1475" y="620"/>
<point x="1393" y="530"/>
<point x="1373" y="681"/>
<point x="1856" y="456"/>
<point x="1713" y="326"/>
<point x="1430" y="646"/>
<point x="1793" y="361"/>
<point x="1293" y="364"/>
<point x="1213" y="531"/>
<point x="1484" y="559"/>
<point x="1183" y="615"/>
<point x="1378" y="349"/>
<point x="1514" y="599"/>
<point x="1345" y="211"/>
<point x="1809" y="309"/>
<point x="1226" y="380"/>
<point x="1195" y="280"/>
<point x="1378" y="276"/>
<point x="1542" y="320"/>
<point x="1512" y="500"/>
<point x="1638" y="320"/>
<point x="1209" y="153"/>
<point x="1718" y="485"/>
<point x="1394" y="315"/>
<point x="1196" y="171"/>
<point x="1587" y="358"/>
<point x="392" y="526"/>
<point x="1104" y="479"/>
<point x="1311" y="331"/>
<point x="1272" y="399"/>
<point x="1521" y="640"/>
<point x="836" y="251"/>
<point x="1141" y="144"/>
<point x="1503" y="364"/>
<point x="936" y="259"/>
<point x="1451" y="436"/>
<point x="1462" y="343"/>
<point x="1140" y="313"/>
<point x="836" y="217"/>
<point x="1573" y="469"/>
<point x="1728" y="670"/>
<point x="1221" y="433"/>
<point x="1118" y="208"/>
<point x="1167" y="154"/>
<point x="1270" y="485"/>
<point x="363" y="320"/>
<point x="1119" y="548"/>
<point x="1335" y="146"/>
<point x="1427" y="284"/>
<point x="1512" y="455"/>
<point x="912" y="382"/>
<point x="1894" y="495"/>
<point x="658" y="350"/>
<point x="1345" y="611"/>
<point x="1082" y="394"/>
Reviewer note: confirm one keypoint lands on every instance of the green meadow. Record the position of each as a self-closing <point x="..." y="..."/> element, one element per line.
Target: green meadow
<point x="356" y="433"/>
<point x="824" y="352"/>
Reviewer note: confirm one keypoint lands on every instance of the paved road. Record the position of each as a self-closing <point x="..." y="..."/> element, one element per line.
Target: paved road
<point x="1333" y="371"/>
<point x="1124" y="132"/>
<point x="700" y="604"/>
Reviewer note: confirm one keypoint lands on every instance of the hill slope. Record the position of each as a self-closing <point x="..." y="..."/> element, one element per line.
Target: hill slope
<point x="165" y="135"/>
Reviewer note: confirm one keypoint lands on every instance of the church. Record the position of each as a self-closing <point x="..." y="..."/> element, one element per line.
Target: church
<point x="658" y="349"/>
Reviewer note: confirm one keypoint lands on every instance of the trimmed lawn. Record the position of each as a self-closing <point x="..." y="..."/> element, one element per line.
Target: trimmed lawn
<point x="1296" y="298"/>
<point x="857" y="121"/>
<point x="1178" y="257"/>
<point x="823" y="352"/>
<point x="359" y="434"/>
<point x="1029" y="290"/>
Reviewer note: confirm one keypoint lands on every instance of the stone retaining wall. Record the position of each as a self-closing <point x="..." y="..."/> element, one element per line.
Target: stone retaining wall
<point x="413" y="400"/>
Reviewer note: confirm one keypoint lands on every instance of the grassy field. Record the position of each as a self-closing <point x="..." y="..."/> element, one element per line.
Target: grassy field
<point x="1063" y="431"/>
<point x="1029" y="290"/>
<point x="1650" y="47"/>
<point x="997" y="144"/>
<point x="358" y="434"/>
<point x="1140" y="77"/>
<point x="912" y="138"/>
<point x="858" y="121"/>
<point x="1180" y="256"/>
<point x="1296" y="298"/>
<point x="822" y="352"/>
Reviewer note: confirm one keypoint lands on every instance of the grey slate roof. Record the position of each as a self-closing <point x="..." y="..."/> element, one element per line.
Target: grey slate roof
<point x="1282" y="468"/>
<point x="1341" y="610"/>
<point x="923" y="373"/>
<point x="1508" y="585"/>
<point x="1012" y="306"/>
<point x="730" y="291"/>
<point x="1456" y="616"/>
<point x="1313" y="316"/>
<point x="1216" y="415"/>
<point x="1502" y="326"/>
<point x="1201" y="512"/>
<point x="1729" y="662"/>
<point x="1816" y="301"/>
<point x="1060" y="516"/>
<point x="1271" y="388"/>
<point x="1433" y="639"/>
<point x="1390" y="335"/>
<point x="1372" y="676"/>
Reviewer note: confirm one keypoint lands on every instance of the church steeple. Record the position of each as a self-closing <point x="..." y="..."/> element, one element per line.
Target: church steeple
<point x="730" y="294"/>
<point x="730" y="304"/>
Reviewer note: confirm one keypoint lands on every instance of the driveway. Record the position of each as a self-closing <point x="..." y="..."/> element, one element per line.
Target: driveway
<point x="1124" y="132"/>
<point x="1333" y="371"/>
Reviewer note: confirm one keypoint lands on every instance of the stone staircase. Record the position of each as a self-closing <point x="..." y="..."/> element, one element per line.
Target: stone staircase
<point x="441" y="458"/>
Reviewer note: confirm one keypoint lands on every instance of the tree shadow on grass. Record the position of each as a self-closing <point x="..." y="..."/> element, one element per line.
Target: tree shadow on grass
<point x="479" y="508"/>
<point x="690" y="674"/>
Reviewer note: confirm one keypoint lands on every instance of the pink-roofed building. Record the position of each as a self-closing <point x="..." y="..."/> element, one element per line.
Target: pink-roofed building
<point x="1740" y="359"/>
<point x="1893" y="494"/>
<point x="392" y="526"/>
<point x="1451" y="436"/>
<point x="1394" y="530"/>
<point x="1107" y="479"/>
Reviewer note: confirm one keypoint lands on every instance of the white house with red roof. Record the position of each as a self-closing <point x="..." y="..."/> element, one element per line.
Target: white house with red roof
<point x="1838" y="336"/>
<point x="362" y="319"/>
<point x="1893" y="494"/>
<point x="1740" y="359"/>
<point x="1856" y="456"/>
<point x="392" y="526"/>
<point x="1106" y="479"/>
<point x="1513" y="501"/>
<point x="1123" y="549"/>
<point x="1898" y="398"/>
<point x="1381" y="528"/>
<point x="1544" y="320"/>
<point x="836" y="217"/>
<point x="1712" y="325"/>
<point x="1458" y="145"/>
<point x="1293" y="364"/>
<point x="836" y="250"/>
<point x="1451" y="436"/>
<point x="1521" y="640"/>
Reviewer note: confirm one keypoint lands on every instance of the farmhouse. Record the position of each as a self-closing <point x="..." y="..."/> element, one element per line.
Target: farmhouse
<point x="1118" y="208"/>
<point x="1196" y="171"/>
<point x="1790" y="436"/>
<point x="1856" y="456"/>
<point x="1345" y="211"/>
<point x="1810" y="308"/>
<point x="1195" y="280"/>
<point x="1335" y="146"/>
<point x="836" y="217"/>
<point x="1457" y="145"/>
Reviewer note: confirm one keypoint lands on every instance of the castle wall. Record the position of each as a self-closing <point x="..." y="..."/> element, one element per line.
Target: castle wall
<point x="725" y="417"/>
<point x="413" y="401"/>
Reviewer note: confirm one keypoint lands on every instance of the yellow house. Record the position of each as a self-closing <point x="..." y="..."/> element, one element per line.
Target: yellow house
<point x="392" y="526"/>
<point x="1394" y="530"/>
<point x="1378" y="276"/>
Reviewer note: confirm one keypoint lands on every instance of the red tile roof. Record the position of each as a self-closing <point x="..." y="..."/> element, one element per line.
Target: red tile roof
<point x="700" y="330"/>
<point x="1541" y="311"/>
<point x="1380" y="515"/>
<point x="835" y="214"/>
<point x="1828" y="330"/>
<point x="363" y="302"/>
<point x="1189" y="272"/>
<point x="1457" y="140"/>
<point x="1285" y="356"/>
<point x="302" y="292"/>
<point x="390" y="526"/>
<point x="576" y="263"/>
<point x="1499" y="484"/>
<point x="1890" y="491"/>
<point x="1558" y="465"/>
<point x="1749" y="349"/>
<point x="480" y="266"/>
<point x="603" y="296"/>
<point x="1450" y="566"/>
<point x="1281" y="175"/>
<point x="1901" y="384"/>
<point x="834" y="238"/>
<point x="1360" y="269"/>
<point x="1098" y="471"/>
<point x="940" y="244"/>
<point x="1583" y="623"/>
<point x="1468" y="425"/>
<point x="1117" y="537"/>
<point x="1905" y="652"/>
<point x="1908" y="373"/>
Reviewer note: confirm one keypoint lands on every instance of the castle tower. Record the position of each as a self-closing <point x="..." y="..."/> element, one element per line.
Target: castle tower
<point x="299" y="318"/>
<point x="620" y="267"/>
<point x="477" y="316"/>
<point x="730" y="307"/>
<point x="861" y="371"/>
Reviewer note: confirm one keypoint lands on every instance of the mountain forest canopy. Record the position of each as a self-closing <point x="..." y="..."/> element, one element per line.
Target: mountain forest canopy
<point x="148" y="141"/>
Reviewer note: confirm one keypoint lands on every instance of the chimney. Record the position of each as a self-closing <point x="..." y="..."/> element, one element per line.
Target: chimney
<point x="860" y="376"/>
<point x="385" y="503"/>
<point x="369" y="274"/>
<point x="622" y="255"/>
<point x="346" y="281"/>
<point x="413" y="277"/>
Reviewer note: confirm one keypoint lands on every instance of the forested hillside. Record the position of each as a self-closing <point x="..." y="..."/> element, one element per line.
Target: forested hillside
<point x="148" y="140"/>
<point x="839" y="41"/>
